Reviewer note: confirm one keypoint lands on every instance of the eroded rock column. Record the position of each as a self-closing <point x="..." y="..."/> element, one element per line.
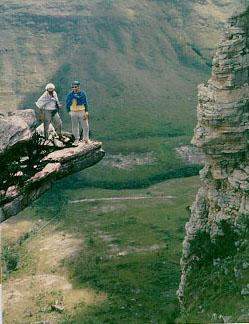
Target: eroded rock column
<point x="222" y="203"/>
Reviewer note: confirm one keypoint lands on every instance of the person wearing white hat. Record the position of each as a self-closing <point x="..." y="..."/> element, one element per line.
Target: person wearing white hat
<point x="48" y="105"/>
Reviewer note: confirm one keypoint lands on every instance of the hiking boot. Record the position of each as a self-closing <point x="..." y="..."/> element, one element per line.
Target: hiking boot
<point x="48" y="142"/>
<point x="76" y="143"/>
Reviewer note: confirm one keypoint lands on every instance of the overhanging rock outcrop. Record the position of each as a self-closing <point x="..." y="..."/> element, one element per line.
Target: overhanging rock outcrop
<point x="28" y="167"/>
<point x="220" y="213"/>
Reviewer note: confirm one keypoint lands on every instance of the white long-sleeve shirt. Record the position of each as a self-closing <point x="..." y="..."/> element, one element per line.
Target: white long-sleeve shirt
<point x="47" y="102"/>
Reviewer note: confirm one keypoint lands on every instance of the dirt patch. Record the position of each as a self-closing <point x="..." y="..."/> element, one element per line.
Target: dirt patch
<point x="50" y="250"/>
<point x="115" y="250"/>
<point x="108" y="208"/>
<point x="128" y="162"/>
<point x="118" y="199"/>
<point x="105" y="237"/>
<point x="191" y="154"/>
<point x="133" y="249"/>
<point x="28" y="298"/>
<point x="31" y="298"/>
<point x="14" y="227"/>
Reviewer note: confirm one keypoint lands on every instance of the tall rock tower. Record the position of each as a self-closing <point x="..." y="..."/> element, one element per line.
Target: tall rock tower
<point x="219" y="222"/>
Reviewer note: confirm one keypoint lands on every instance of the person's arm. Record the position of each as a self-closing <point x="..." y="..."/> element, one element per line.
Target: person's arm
<point x="68" y="102"/>
<point x="86" y="114"/>
<point x="40" y="104"/>
<point x="86" y="102"/>
<point x="58" y="104"/>
<point x="42" y="101"/>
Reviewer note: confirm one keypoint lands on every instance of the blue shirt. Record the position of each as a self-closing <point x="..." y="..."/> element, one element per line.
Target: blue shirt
<point x="80" y="97"/>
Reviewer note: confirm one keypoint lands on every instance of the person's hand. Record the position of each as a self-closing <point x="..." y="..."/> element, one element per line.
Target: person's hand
<point x="59" y="105"/>
<point x="85" y="116"/>
<point x="41" y="117"/>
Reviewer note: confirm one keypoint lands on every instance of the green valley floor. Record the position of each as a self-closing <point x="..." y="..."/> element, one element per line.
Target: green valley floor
<point x="92" y="255"/>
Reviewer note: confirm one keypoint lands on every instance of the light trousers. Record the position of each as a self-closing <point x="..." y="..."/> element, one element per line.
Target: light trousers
<point x="77" y="121"/>
<point x="52" y="116"/>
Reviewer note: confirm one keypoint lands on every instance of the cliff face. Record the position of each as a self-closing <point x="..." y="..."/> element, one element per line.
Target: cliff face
<point x="29" y="165"/>
<point x="219" y="220"/>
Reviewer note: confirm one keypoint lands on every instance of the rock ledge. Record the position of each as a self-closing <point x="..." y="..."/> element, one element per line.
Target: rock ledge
<point x="29" y="167"/>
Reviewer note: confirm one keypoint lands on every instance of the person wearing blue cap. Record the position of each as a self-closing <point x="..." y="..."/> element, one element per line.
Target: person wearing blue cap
<point x="77" y="107"/>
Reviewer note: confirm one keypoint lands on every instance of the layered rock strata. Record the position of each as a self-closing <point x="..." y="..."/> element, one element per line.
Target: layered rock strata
<point x="29" y="167"/>
<point x="222" y="132"/>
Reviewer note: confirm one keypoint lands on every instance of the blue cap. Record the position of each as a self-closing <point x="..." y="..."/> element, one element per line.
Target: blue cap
<point x="75" y="83"/>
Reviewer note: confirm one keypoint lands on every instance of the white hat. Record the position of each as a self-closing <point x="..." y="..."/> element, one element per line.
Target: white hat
<point x="50" y="86"/>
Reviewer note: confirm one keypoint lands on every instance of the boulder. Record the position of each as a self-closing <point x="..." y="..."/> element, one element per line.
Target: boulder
<point x="16" y="128"/>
